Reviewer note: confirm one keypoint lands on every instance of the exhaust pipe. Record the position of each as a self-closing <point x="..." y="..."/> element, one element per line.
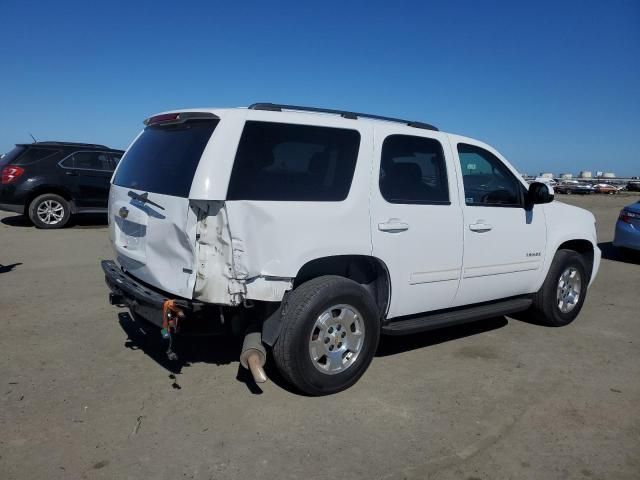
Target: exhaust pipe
<point x="254" y="356"/>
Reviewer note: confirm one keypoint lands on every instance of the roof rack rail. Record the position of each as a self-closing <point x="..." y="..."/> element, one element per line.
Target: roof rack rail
<point x="275" y="107"/>
<point x="75" y="144"/>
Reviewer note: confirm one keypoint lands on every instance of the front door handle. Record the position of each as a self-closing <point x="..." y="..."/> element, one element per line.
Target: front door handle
<point x="480" y="227"/>
<point x="393" y="225"/>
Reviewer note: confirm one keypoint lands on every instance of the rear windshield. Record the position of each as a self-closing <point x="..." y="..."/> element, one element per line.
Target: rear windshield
<point x="11" y="156"/>
<point x="164" y="158"/>
<point x="22" y="155"/>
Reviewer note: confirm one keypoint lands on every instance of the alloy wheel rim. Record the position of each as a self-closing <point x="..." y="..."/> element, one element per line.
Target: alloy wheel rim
<point x="50" y="212"/>
<point x="569" y="289"/>
<point x="336" y="339"/>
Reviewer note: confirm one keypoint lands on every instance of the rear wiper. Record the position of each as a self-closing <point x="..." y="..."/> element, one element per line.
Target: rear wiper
<point x="144" y="198"/>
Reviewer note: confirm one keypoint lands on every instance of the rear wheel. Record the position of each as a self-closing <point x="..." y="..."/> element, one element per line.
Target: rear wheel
<point x="562" y="295"/>
<point x="49" y="211"/>
<point x="330" y="332"/>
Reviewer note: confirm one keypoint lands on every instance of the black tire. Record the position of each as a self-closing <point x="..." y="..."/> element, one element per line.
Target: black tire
<point x="301" y="309"/>
<point x="545" y="307"/>
<point x="55" y="200"/>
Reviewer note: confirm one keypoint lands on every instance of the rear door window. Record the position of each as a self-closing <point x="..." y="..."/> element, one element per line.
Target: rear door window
<point x="164" y="158"/>
<point x="285" y="162"/>
<point x="115" y="158"/>
<point x="413" y="171"/>
<point x="88" y="161"/>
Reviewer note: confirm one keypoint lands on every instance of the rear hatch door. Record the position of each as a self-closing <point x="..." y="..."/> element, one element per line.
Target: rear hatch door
<point x="151" y="223"/>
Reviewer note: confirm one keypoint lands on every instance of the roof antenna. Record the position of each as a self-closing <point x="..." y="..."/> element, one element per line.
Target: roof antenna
<point x="34" y="138"/>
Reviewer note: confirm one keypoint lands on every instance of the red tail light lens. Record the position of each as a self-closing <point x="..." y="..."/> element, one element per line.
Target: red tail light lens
<point x="625" y="216"/>
<point x="10" y="173"/>
<point x="165" y="117"/>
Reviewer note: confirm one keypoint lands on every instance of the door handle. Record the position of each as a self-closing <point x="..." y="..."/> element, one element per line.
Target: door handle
<point x="480" y="227"/>
<point x="393" y="225"/>
<point x="71" y="173"/>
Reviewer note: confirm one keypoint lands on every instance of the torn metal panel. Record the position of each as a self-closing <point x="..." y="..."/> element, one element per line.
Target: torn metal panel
<point x="268" y="289"/>
<point x="223" y="275"/>
<point x="216" y="280"/>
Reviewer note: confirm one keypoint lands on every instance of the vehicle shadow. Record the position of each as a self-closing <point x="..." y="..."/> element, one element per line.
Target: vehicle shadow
<point x="216" y="350"/>
<point x="17" y="221"/>
<point x="609" y="252"/>
<point x="393" y="345"/>
<point x="89" y="220"/>
<point x="81" y="221"/>
<point x="224" y="350"/>
<point x="8" y="268"/>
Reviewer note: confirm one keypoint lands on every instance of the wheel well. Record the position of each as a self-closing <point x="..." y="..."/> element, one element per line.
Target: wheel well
<point x="42" y="190"/>
<point x="584" y="248"/>
<point x="370" y="272"/>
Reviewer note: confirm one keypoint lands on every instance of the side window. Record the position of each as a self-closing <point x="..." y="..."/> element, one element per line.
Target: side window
<point x="487" y="181"/>
<point x="413" y="170"/>
<point x="284" y="162"/>
<point x="88" y="161"/>
<point x="67" y="162"/>
<point x="115" y="159"/>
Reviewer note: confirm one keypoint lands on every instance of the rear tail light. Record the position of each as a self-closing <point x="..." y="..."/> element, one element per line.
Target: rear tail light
<point x="625" y="215"/>
<point x="164" y="118"/>
<point x="11" y="173"/>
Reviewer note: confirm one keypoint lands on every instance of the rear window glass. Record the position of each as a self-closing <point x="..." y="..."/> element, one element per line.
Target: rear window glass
<point x="164" y="158"/>
<point x="11" y="156"/>
<point x="284" y="162"/>
<point x="23" y="155"/>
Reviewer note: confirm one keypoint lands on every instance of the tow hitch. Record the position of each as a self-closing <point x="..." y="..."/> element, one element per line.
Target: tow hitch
<point x="171" y="317"/>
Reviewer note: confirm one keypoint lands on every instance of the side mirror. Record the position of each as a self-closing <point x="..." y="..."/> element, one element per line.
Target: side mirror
<point x="539" y="193"/>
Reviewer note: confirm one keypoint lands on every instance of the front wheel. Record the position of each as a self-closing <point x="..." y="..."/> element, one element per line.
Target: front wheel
<point x="562" y="295"/>
<point x="330" y="332"/>
<point x="49" y="211"/>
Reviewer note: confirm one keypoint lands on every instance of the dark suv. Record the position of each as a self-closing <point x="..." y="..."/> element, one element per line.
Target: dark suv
<point x="50" y="181"/>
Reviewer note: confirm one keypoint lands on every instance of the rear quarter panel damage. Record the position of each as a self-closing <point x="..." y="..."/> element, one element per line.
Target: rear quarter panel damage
<point x="253" y="250"/>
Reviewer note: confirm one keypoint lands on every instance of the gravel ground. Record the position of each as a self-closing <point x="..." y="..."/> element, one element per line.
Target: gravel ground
<point x="87" y="393"/>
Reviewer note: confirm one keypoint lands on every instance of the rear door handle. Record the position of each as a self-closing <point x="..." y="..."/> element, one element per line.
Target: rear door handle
<point x="393" y="225"/>
<point x="71" y="173"/>
<point x="480" y="227"/>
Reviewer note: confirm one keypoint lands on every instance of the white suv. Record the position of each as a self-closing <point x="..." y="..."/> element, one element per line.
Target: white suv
<point x="313" y="231"/>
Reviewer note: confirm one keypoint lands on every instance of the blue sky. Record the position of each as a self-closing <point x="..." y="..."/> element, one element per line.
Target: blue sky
<point x="555" y="86"/>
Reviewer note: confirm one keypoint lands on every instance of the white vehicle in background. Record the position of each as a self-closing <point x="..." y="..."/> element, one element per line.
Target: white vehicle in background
<point x="547" y="181"/>
<point x="313" y="231"/>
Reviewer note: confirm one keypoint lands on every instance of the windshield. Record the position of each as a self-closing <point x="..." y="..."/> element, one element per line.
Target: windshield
<point x="164" y="158"/>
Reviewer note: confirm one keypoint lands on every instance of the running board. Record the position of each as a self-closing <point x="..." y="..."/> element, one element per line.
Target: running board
<point x="455" y="317"/>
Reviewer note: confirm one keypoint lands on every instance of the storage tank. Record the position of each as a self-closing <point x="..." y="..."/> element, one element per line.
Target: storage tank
<point x="586" y="174"/>
<point x="566" y="176"/>
<point x="609" y="175"/>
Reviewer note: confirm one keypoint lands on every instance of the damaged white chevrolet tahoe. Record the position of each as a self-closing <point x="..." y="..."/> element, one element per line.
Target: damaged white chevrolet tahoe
<point x="312" y="231"/>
